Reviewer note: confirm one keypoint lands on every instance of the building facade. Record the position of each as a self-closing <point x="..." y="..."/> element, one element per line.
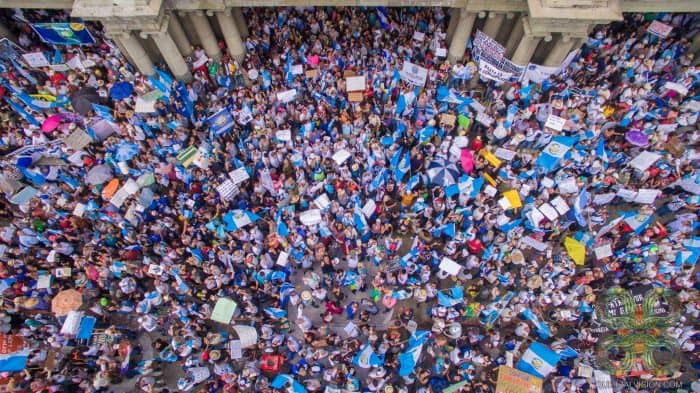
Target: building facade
<point x="148" y="30"/>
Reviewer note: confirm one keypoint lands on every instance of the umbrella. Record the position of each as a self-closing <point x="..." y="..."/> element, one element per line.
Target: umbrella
<point x="126" y="151"/>
<point x="83" y="99"/>
<point x="467" y="160"/>
<point x="637" y="138"/>
<point x="51" y="123"/>
<point x="121" y="90"/>
<point x="66" y="301"/>
<point x="102" y="129"/>
<point x="442" y="172"/>
<point x="98" y="175"/>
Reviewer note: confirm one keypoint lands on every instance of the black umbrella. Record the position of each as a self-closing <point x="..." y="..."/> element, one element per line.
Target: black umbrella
<point x="83" y="99"/>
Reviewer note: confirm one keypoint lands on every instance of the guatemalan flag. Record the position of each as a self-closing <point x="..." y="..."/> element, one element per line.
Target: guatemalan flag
<point x="383" y="18"/>
<point x="554" y="152"/>
<point x="637" y="221"/>
<point x="409" y="359"/>
<point x="367" y="358"/>
<point x="538" y="360"/>
<point x="285" y="380"/>
<point x="237" y="219"/>
<point x="221" y="122"/>
<point x="455" y="297"/>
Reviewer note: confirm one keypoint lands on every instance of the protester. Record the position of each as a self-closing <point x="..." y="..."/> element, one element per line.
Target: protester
<point x="373" y="245"/>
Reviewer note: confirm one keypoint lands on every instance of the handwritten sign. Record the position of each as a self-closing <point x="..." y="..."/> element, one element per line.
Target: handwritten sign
<point x="355" y="83"/>
<point x="284" y="135"/>
<point x="340" y="156"/>
<point x="227" y="190"/>
<point x="239" y="175"/>
<point x="659" y="29"/>
<point x="36" y="59"/>
<point x="555" y="122"/>
<point x="449" y="266"/>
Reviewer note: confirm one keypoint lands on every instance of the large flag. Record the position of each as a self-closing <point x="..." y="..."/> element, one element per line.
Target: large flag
<point x="13" y="355"/>
<point x="285" y="380"/>
<point x="540" y="326"/>
<point x="367" y="358"/>
<point x="22" y="112"/>
<point x="554" y="152"/>
<point x="579" y="205"/>
<point x="383" y="18"/>
<point x="221" y="122"/>
<point x="455" y="297"/>
<point x="637" y="221"/>
<point x="409" y="359"/>
<point x="63" y="33"/>
<point x="237" y="219"/>
<point x="538" y="360"/>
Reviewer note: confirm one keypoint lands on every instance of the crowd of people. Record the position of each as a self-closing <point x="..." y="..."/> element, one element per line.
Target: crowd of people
<point x="396" y="242"/>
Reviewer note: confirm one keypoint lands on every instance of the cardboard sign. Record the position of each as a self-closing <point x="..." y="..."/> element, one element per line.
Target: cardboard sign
<point x="355" y="83"/>
<point x="223" y="310"/>
<point x="555" y="122"/>
<point x="77" y="140"/>
<point x="311" y="74"/>
<point x="659" y="29"/>
<point x="36" y="59"/>
<point x="447" y="119"/>
<point x="348" y="73"/>
<point x="239" y="175"/>
<point x="511" y="380"/>
<point x="356" y="96"/>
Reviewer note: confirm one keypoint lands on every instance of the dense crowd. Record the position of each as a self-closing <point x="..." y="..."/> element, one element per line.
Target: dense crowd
<point x="337" y="241"/>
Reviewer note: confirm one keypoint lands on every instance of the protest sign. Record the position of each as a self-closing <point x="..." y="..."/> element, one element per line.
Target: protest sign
<point x="310" y="217"/>
<point x="239" y="175"/>
<point x="36" y="59"/>
<point x="659" y="29"/>
<point x="227" y="190"/>
<point x="287" y="96"/>
<point x="449" y="266"/>
<point x="511" y="380"/>
<point x="340" y="156"/>
<point x="223" y="310"/>
<point x="284" y="135"/>
<point x="355" y="83"/>
<point x="555" y="122"/>
<point x="414" y="74"/>
<point x="493" y="72"/>
<point x="77" y="140"/>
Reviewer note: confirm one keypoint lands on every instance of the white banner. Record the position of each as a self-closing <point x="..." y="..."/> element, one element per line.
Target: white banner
<point x="287" y="96"/>
<point x="659" y="29"/>
<point x="414" y="74"/>
<point x="491" y="72"/>
<point x="36" y="59"/>
<point x="485" y="44"/>
<point x="537" y="73"/>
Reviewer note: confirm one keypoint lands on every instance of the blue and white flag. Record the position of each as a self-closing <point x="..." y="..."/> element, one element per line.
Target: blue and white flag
<point x="401" y="167"/>
<point x="221" y="122"/>
<point x="275" y="313"/>
<point x="455" y="297"/>
<point x="538" y="360"/>
<point x="412" y="182"/>
<point x="103" y="112"/>
<point x="637" y="221"/>
<point x="360" y="221"/>
<point x="237" y="219"/>
<point x="63" y="33"/>
<point x="379" y="180"/>
<point x="540" y="326"/>
<point x="579" y="205"/>
<point x="409" y="359"/>
<point x="554" y="152"/>
<point x="367" y="358"/>
<point x="444" y="94"/>
<point x="22" y="112"/>
<point x="285" y="380"/>
<point x="383" y="17"/>
<point x="601" y="153"/>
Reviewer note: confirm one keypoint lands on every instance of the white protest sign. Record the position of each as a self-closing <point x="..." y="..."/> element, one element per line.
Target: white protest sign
<point x="568" y="186"/>
<point x="626" y="194"/>
<point x="74" y="62"/>
<point x="287" y="96"/>
<point x="284" y="135"/>
<point x="418" y="36"/>
<point x="646" y="196"/>
<point x="666" y="128"/>
<point x="504" y="154"/>
<point x="154" y="269"/>
<point x="322" y="201"/>
<point x="235" y="349"/>
<point x="414" y="74"/>
<point x="369" y="208"/>
<point x="489" y="71"/>
<point x="72" y="323"/>
<point x="297" y="69"/>
<point x="239" y="175"/>
<point x="644" y="160"/>
<point x="44" y="281"/>
<point x="79" y="209"/>
<point x="36" y="59"/>
<point x="602" y="199"/>
<point x="538" y="73"/>
<point x="547" y="182"/>
<point x="441" y="52"/>
<point x="355" y="83"/>
<point x="340" y="156"/>
<point x="282" y="259"/>
<point x="449" y="266"/>
<point x="534" y="243"/>
<point x="603" y="251"/>
<point x="555" y="122"/>
<point x="143" y="106"/>
<point x="247" y="334"/>
<point x="60" y="67"/>
<point x="535" y="217"/>
<point x="63" y="272"/>
<point x="560" y="204"/>
<point x="310" y="217"/>
<point x="549" y="211"/>
<point x="227" y="190"/>
<point x="484" y="119"/>
<point x="659" y="29"/>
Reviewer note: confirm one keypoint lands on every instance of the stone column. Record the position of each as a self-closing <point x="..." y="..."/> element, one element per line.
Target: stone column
<point x="493" y="24"/>
<point x="206" y="34"/>
<point x="6" y="33"/>
<point x="562" y="47"/>
<point x="526" y="48"/>
<point x="179" y="36"/>
<point x="458" y="45"/>
<point x="172" y="56"/>
<point x="231" y="35"/>
<point x="454" y="18"/>
<point x="514" y="37"/>
<point x="695" y="44"/>
<point x="134" y="51"/>
<point x="240" y="21"/>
